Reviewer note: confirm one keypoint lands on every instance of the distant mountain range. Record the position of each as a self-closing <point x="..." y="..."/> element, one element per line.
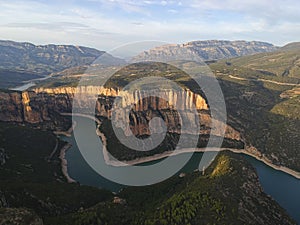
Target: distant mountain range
<point x="44" y="59"/>
<point x="209" y="50"/>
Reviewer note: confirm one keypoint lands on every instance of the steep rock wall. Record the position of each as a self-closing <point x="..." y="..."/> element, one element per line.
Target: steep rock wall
<point x="181" y="100"/>
<point x="43" y="105"/>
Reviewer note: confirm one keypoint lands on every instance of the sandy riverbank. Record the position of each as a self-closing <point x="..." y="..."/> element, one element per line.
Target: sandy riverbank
<point x="64" y="163"/>
<point x="190" y="150"/>
<point x="62" y="154"/>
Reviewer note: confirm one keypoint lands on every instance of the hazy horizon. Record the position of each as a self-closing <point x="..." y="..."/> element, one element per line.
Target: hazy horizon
<point x="107" y="24"/>
<point x="151" y="43"/>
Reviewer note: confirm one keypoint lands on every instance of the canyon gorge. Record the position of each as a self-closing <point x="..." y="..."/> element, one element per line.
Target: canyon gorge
<point x="43" y="107"/>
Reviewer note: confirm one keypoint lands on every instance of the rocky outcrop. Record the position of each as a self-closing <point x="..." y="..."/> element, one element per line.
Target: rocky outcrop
<point x="119" y="201"/>
<point x="11" y="108"/>
<point x="31" y="107"/>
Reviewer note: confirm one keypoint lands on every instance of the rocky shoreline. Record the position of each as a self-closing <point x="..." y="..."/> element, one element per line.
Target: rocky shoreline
<point x="64" y="163"/>
<point x="191" y="150"/>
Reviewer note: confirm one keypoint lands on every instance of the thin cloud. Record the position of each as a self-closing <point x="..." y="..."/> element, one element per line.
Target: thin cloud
<point x="106" y="24"/>
<point x="264" y="9"/>
<point x="48" y="26"/>
<point x="138" y="24"/>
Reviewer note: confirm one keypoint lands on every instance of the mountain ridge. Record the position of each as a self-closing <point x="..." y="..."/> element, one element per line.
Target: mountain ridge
<point x="291" y="46"/>
<point x="44" y="59"/>
<point x="51" y="58"/>
<point x="210" y="49"/>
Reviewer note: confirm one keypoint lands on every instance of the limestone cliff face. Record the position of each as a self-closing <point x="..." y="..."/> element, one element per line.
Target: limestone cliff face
<point x="181" y="100"/>
<point x="87" y="90"/>
<point x="136" y="108"/>
<point x="11" y="107"/>
<point x="31" y="107"/>
<point x="168" y="99"/>
<point x="30" y="115"/>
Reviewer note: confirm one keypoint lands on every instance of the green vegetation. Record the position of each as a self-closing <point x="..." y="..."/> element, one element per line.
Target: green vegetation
<point x="19" y="216"/>
<point x="25" y="147"/>
<point x="55" y="82"/>
<point x="194" y="199"/>
<point x="253" y="86"/>
<point x="254" y="109"/>
<point x="30" y="178"/>
<point x="142" y="70"/>
<point x="281" y="65"/>
<point x="130" y="73"/>
<point x="223" y="166"/>
<point x="289" y="108"/>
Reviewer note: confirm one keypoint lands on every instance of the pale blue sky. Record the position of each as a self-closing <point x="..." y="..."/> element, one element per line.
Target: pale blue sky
<point x="107" y="24"/>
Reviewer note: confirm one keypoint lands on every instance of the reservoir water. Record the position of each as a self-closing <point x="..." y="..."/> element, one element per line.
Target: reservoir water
<point x="28" y="84"/>
<point x="284" y="188"/>
<point x="24" y="87"/>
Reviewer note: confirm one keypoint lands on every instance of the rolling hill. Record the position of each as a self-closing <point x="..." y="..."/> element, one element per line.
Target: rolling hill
<point x="282" y="64"/>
